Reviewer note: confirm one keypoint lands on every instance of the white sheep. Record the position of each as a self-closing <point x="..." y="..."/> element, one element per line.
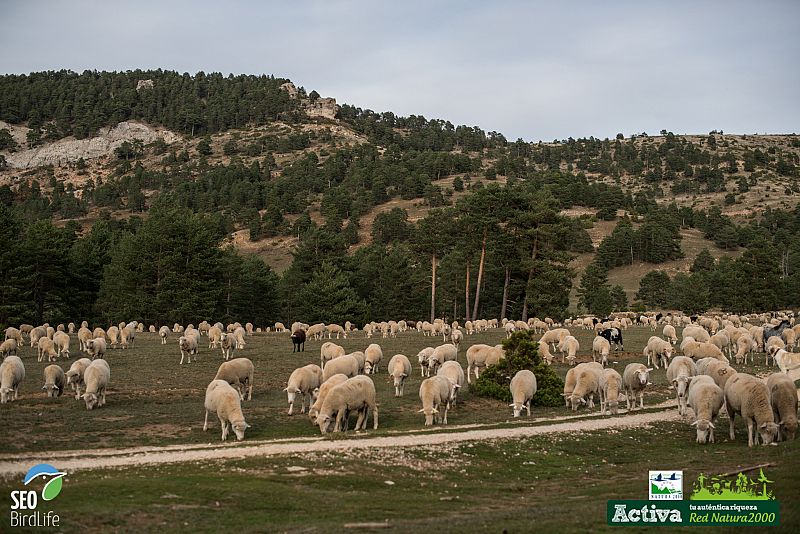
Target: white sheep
<point x="480" y="356"/>
<point x="510" y="328"/>
<point x="745" y="344"/>
<point x="601" y="348"/>
<point x="347" y="365"/>
<point x="113" y="336"/>
<point x="227" y="344"/>
<point x="698" y="333"/>
<point x="441" y="354"/>
<point x="787" y="361"/>
<point x="223" y="399"/>
<point x="456" y="337"/>
<point x="357" y="393"/>
<point x="98" y="332"/>
<point x="719" y="371"/>
<point x="8" y="347"/>
<point x="635" y="378"/>
<point x="587" y="384"/>
<point x="523" y="388"/>
<point x="15" y="334"/>
<point x="423" y="357"/>
<point x="12" y="373"/>
<point x="54" y="381"/>
<point x="658" y="349"/>
<point x="96" y="378"/>
<point x="783" y="398"/>
<point x="84" y="335"/>
<point x="569" y="346"/>
<point x="75" y="375"/>
<point x="46" y="348"/>
<point x="328" y="351"/>
<point x="706" y="399"/>
<point x="239" y="374"/>
<point x="61" y="342"/>
<point x="749" y="396"/>
<point x="338" y="330"/>
<point x="280" y="328"/>
<point x="303" y="381"/>
<point x="238" y="335"/>
<point x="188" y="346"/>
<point x="71" y="328"/>
<point x="163" y="333"/>
<point x="399" y="369"/>
<point x="554" y="337"/>
<point x="373" y="355"/>
<point x="321" y="392"/>
<point x="697" y="350"/>
<point x="36" y="334"/>
<point x="453" y="371"/>
<point x="669" y="334"/>
<point x="361" y="359"/>
<point x="434" y="393"/>
<point x="680" y="373"/>
<point x="316" y="331"/>
<point x="610" y="386"/>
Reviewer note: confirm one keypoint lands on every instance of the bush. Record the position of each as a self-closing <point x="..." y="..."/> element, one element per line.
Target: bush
<point x="522" y="352"/>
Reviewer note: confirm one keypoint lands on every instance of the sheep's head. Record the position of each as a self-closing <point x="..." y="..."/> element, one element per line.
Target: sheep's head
<point x="769" y="432"/>
<point x="398" y="379"/>
<point x="788" y="429"/>
<point x="681" y="384"/>
<point x="52" y="390"/>
<point x="238" y="428"/>
<point x="325" y="423"/>
<point x="368" y="367"/>
<point x="90" y="399"/>
<point x="705" y="431"/>
<point x="571" y="359"/>
<point x="90" y="345"/>
<point x="5" y="395"/>
<point x="517" y="407"/>
<point x="576" y="401"/>
<point x="291" y="392"/>
<point x="429" y="413"/>
<point x="642" y="375"/>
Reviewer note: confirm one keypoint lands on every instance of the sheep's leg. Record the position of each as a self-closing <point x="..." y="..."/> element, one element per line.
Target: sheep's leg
<point x="628" y="398"/>
<point x="361" y="419"/>
<point x="528" y="407"/>
<point x="339" y="419"/>
<point x="205" y="423"/>
<point x="303" y="403"/>
<point x="444" y="417"/>
<point x="750" y="432"/>
<point x="731" y="416"/>
<point x="224" y="424"/>
<point x="591" y="401"/>
<point x="641" y="400"/>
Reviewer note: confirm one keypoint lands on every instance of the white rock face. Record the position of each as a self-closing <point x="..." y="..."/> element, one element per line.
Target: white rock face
<point x="68" y="150"/>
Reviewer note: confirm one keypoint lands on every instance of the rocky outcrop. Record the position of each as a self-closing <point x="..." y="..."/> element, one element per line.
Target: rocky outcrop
<point x="144" y="84"/>
<point x="321" y="107"/>
<point x="290" y="88"/>
<point x="70" y="150"/>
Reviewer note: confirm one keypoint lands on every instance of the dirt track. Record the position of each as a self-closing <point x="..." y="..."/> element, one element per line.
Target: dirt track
<point x="77" y="460"/>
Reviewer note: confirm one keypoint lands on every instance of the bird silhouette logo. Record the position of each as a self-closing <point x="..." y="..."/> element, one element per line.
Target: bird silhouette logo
<point x="47" y="472"/>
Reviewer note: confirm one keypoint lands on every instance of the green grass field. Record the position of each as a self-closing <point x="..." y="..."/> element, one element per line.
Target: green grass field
<point x="556" y="483"/>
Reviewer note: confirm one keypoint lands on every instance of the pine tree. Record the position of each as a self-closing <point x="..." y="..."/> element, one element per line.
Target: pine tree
<point x="329" y="298"/>
<point x="594" y="293"/>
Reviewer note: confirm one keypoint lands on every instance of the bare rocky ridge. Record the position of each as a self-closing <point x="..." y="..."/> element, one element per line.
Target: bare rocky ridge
<point x="69" y="150"/>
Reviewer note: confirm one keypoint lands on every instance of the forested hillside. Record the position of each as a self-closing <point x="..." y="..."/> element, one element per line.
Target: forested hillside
<point x="363" y="208"/>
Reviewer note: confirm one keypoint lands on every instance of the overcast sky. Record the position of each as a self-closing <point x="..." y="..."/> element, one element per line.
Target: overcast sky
<point x="536" y="70"/>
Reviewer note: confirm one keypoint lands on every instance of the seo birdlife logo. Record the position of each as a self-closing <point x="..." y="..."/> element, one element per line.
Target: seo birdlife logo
<point x="24" y="503"/>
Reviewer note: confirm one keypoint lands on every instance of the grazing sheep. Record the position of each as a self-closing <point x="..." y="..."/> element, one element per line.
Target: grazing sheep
<point x="635" y="377"/>
<point x="523" y="388"/>
<point x="46" y="347"/>
<point x="15" y="334"/>
<point x="238" y="336"/>
<point x="316" y="331"/>
<point x="214" y="336"/>
<point x="434" y="393"/>
<point x="572" y="376"/>
<point x="610" y="386"/>
<point x="328" y="351"/>
<point x="441" y="354"/>
<point x="745" y="344"/>
<point x="706" y="399"/>
<point x="456" y="337"/>
<point x="480" y="356"/>
<point x="8" y="347"/>
<point x="298" y="340"/>
<point x="188" y="346"/>
<point x="587" y="384"/>
<point x="790" y="338"/>
<point x="96" y="378"/>
<point x="224" y="400"/>
<point x="12" y="373"/>
<point x="722" y="341"/>
<point x="749" y="396"/>
<point x="361" y="359"/>
<point x="757" y="332"/>
<point x="61" y="342"/>
<point x="658" y="349"/>
<point x="697" y="350"/>
<point x="569" y="346"/>
<point x="783" y="398"/>
<point x="423" y="357"/>
<point x="554" y="337"/>
<point x="787" y="361"/>
<point x="600" y="349"/>
<point x="373" y="355"/>
<point x="249" y="329"/>
<point x="321" y="392"/>
<point x="36" y="334"/>
<point x="669" y="334"/>
<point x="347" y="365"/>
<point x="227" y="344"/>
<point x="680" y="373"/>
<point x="75" y="375"/>
<point x="113" y="336"/>
<point x="54" y="381"/>
<point x="719" y="371"/>
<point x="71" y="328"/>
<point x="239" y="374"/>
<point x="698" y="333"/>
<point x="98" y="332"/>
<point x="510" y="328"/>
<point x="357" y="393"/>
<point x="338" y="330"/>
<point x="280" y="328"/>
<point x="303" y="381"/>
<point x="399" y="369"/>
<point x="453" y="371"/>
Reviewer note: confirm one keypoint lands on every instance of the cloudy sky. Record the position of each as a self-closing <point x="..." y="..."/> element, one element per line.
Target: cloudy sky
<point x="530" y="69"/>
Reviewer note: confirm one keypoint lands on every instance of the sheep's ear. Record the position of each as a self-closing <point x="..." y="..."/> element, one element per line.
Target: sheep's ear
<point x="247" y="426"/>
<point x="456" y="386"/>
<point x="511" y="405"/>
<point x="286" y="388"/>
<point x="674" y="383"/>
<point x="403" y="375"/>
<point x="763" y="425"/>
<point x="437" y="411"/>
<point x="421" y="411"/>
<point x="649" y="369"/>
<point x="694" y="424"/>
<point x="44" y="387"/>
<point x="711" y="425"/>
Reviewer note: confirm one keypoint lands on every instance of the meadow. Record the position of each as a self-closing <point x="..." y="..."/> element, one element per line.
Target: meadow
<point x="551" y="482"/>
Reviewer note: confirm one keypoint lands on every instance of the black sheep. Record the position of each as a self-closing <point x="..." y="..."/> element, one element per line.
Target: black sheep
<point x="614" y="336"/>
<point x="299" y="340"/>
<point x="770" y="331"/>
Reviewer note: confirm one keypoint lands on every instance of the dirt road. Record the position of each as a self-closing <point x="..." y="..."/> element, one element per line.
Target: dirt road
<point x="77" y="460"/>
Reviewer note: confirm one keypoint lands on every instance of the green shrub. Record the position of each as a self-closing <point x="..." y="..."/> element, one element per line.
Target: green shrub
<point x="522" y="352"/>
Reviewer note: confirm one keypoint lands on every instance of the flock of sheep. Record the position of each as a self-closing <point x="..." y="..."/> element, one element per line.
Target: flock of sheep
<point x="703" y="377"/>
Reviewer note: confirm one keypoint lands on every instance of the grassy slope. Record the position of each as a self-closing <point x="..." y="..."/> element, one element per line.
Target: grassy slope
<point x="471" y="487"/>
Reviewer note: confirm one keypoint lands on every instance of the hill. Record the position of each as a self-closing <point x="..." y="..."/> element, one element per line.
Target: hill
<point x="268" y="161"/>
